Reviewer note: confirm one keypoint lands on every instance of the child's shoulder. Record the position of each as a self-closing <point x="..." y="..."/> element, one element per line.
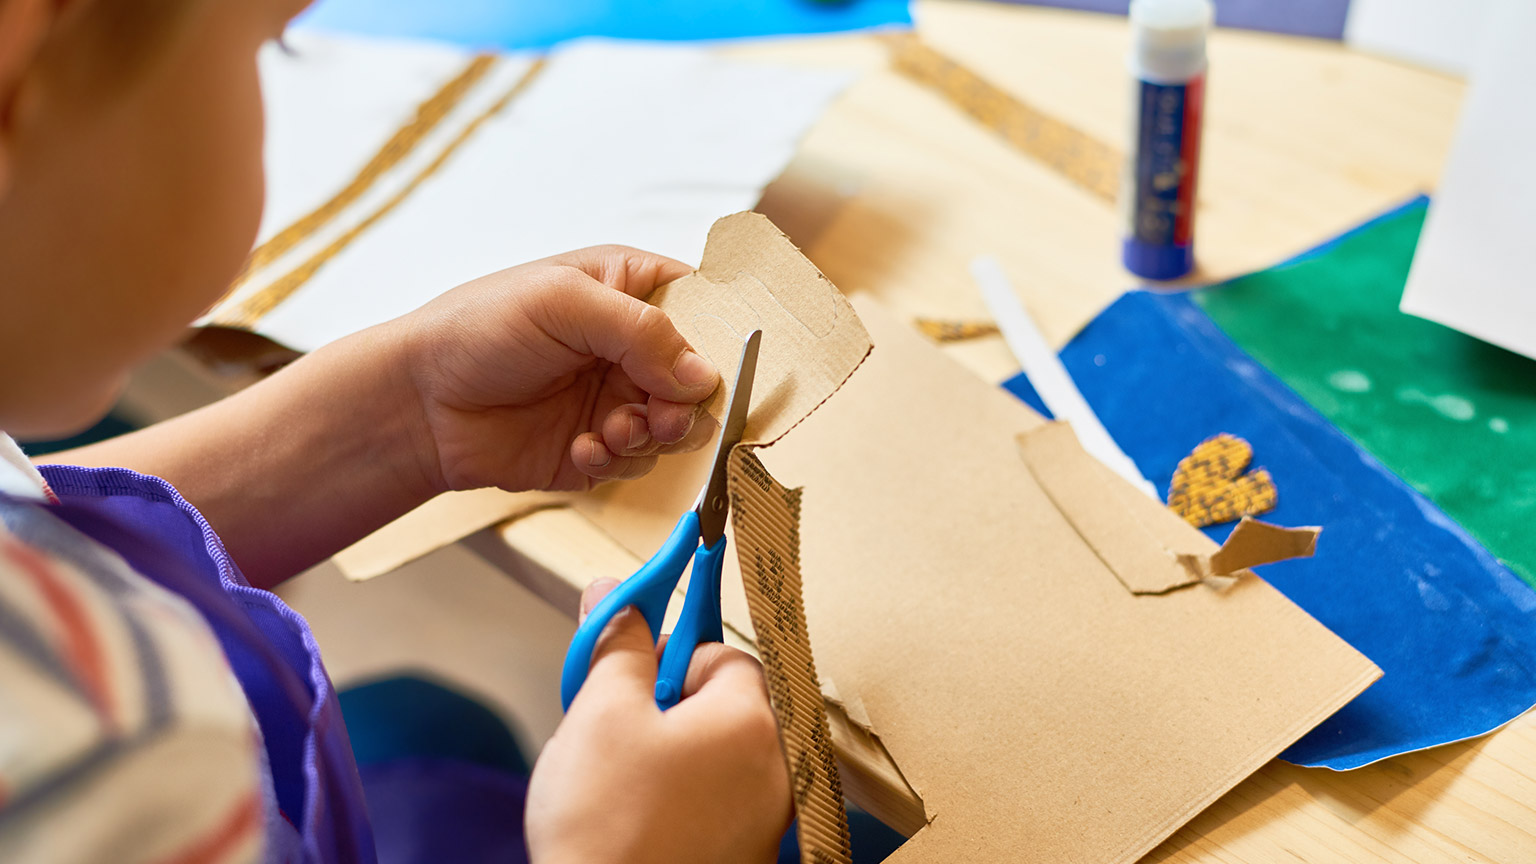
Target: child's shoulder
<point x="119" y="717"/>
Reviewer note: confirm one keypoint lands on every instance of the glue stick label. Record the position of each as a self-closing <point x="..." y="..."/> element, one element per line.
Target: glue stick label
<point x="1164" y="162"/>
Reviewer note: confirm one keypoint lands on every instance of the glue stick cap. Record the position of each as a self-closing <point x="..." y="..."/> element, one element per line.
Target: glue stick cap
<point x="1169" y="38"/>
<point x="1156" y="261"/>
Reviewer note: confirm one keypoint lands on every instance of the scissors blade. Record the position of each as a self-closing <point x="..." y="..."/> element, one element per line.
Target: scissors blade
<point x="714" y="503"/>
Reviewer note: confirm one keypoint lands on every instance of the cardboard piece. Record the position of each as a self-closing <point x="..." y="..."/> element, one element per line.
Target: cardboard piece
<point x="1144" y="547"/>
<point x="1475" y="260"/>
<point x="752" y="277"/>
<point x="1253" y="543"/>
<point x="443" y="520"/>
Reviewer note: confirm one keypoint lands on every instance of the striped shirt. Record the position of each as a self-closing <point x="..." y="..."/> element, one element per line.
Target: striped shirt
<point x="124" y="735"/>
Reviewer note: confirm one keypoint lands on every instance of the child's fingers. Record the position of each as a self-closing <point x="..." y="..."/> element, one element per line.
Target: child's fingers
<point x="590" y="318"/>
<point x="626" y="431"/>
<point x="633" y="271"/>
<point x="593" y="458"/>
<point x="701" y="433"/>
<point x="670" y="422"/>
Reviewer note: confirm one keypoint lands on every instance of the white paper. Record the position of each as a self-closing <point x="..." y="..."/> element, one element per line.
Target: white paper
<point x="1440" y="34"/>
<point x="330" y="104"/>
<point x="632" y="143"/>
<point x="1475" y="268"/>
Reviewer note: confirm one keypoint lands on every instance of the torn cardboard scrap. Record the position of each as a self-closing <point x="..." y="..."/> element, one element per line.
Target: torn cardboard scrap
<point x="1145" y="547"/>
<point x="766" y="519"/>
<point x="752" y="278"/>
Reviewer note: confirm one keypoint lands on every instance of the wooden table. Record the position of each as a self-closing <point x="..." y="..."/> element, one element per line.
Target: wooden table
<point x="895" y="190"/>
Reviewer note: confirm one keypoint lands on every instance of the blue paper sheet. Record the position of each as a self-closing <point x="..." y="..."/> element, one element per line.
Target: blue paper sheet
<point x="1452" y="629"/>
<point x="528" y="25"/>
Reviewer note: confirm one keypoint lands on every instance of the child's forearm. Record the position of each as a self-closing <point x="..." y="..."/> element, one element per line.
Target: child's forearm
<point x="296" y="467"/>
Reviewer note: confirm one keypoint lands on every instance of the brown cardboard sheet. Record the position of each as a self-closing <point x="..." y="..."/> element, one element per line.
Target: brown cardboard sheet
<point x="1042" y="712"/>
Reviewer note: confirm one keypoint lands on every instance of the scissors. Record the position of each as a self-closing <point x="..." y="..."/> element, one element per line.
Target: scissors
<point x="700" y="533"/>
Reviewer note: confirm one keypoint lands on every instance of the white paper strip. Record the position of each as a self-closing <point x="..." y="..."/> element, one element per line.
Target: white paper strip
<point x="1046" y="372"/>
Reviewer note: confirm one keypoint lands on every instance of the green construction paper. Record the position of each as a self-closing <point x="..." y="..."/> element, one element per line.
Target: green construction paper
<point x="1452" y="415"/>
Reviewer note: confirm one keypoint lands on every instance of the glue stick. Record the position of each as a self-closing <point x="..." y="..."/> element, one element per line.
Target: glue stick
<point x="1163" y="162"/>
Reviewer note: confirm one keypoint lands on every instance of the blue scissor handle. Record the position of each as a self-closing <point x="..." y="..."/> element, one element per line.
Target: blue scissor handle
<point x="648" y="590"/>
<point x="700" y="622"/>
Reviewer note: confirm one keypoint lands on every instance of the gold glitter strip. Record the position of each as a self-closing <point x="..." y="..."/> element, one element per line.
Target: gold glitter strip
<point x="944" y="330"/>
<point x="428" y="115"/>
<point x="1088" y="162"/>
<point x="253" y="308"/>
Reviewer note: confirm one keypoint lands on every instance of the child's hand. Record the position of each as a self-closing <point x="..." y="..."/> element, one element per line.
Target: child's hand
<point x="555" y="375"/>
<point x="621" y="781"/>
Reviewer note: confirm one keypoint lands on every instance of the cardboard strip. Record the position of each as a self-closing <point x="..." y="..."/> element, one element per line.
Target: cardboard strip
<point x="435" y="524"/>
<point x="1125" y="540"/>
<point x="766" y="519"/>
<point x="1088" y="162"/>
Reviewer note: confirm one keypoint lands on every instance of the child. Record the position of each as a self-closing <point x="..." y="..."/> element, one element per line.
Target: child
<point x="156" y="703"/>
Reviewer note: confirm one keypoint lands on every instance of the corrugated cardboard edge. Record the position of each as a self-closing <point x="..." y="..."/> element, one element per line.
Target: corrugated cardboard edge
<point x="765" y="516"/>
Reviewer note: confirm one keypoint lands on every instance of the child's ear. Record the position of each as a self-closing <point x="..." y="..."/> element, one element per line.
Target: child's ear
<point x="23" y="25"/>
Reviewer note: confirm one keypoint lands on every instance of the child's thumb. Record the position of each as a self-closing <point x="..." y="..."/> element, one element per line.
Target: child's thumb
<point x="625" y="657"/>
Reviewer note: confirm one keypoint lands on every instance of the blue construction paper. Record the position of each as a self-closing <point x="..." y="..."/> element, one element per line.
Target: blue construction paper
<point x="1320" y="18"/>
<point x="1452" y="629"/>
<point x="528" y="25"/>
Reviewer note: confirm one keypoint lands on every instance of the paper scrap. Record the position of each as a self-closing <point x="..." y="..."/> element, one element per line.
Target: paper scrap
<point x="1253" y="543"/>
<point x="533" y="179"/>
<point x="752" y="278"/>
<point x="1441" y="34"/>
<point x="1475" y="260"/>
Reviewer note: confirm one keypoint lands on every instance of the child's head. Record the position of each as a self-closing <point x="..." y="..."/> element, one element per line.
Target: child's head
<point x="130" y="186"/>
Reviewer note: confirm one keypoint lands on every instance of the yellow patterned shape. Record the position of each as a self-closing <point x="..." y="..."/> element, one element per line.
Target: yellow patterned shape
<point x="1209" y="486"/>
